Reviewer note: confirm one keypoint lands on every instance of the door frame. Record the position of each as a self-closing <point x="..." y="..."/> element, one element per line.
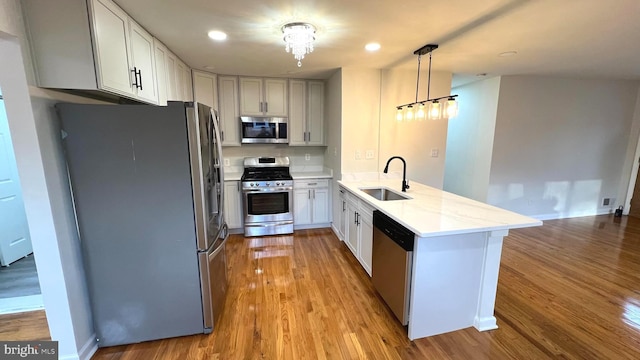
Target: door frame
<point x="635" y="165"/>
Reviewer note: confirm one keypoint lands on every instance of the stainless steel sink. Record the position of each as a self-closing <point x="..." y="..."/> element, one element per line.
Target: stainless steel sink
<point x="384" y="194"/>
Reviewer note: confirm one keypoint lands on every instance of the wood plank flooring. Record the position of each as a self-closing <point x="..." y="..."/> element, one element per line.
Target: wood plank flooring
<point x="569" y="289"/>
<point x="19" y="279"/>
<point x="24" y="326"/>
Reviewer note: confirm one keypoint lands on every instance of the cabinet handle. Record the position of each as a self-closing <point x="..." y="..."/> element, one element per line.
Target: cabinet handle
<point x="355" y="220"/>
<point x="266" y="107"/>
<point x="221" y="135"/>
<point x="140" y="76"/>
<point x="343" y="206"/>
<point x="309" y="194"/>
<point x="358" y="219"/>
<point x="309" y="184"/>
<point x="238" y="185"/>
<point x="314" y="193"/>
<point x="135" y="77"/>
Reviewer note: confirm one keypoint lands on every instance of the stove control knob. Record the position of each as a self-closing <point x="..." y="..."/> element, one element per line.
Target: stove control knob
<point x="252" y="184"/>
<point x="266" y="184"/>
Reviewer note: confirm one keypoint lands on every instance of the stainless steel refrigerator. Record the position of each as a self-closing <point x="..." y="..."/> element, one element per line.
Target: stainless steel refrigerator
<point x="147" y="189"/>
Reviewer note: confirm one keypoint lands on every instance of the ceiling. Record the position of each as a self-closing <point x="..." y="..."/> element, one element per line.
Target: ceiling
<point x="577" y="38"/>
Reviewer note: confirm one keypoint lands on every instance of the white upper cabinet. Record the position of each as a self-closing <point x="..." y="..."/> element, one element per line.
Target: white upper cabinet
<point x="205" y="88"/>
<point x="91" y="45"/>
<point x="160" y="57"/>
<point x="306" y="113"/>
<point x="263" y="97"/>
<point x="228" y="110"/>
<point x="112" y="50"/>
<point x="142" y="55"/>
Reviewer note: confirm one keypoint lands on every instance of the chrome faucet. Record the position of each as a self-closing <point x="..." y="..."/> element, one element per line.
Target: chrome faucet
<point x="405" y="184"/>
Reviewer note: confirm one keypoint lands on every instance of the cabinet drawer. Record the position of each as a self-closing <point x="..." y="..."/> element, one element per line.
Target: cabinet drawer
<point x="310" y="183"/>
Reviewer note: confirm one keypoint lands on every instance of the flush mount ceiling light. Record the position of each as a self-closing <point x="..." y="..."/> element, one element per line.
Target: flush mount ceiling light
<point x="299" y="38"/>
<point x="372" y="46"/>
<point x="429" y="108"/>
<point x="217" y="35"/>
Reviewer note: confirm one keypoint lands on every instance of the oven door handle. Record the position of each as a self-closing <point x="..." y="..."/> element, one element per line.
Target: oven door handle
<point x="268" y="190"/>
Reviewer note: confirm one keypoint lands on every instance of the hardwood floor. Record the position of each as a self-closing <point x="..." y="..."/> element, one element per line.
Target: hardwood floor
<point x="24" y="326"/>
<point x="569" y="289"/>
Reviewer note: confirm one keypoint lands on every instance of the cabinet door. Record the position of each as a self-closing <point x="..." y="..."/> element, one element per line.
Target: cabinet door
<point x="188" y="84"/>
<point x="352" y="228"/>
<point x="320" y="206"/>
<point x="205" y="88"/>
<point x="180" y="80"/>
<point x="233" y="204"/>
<point x="142" y="51"/>
<point x="251" y="98"/>
<point x="341" y="218"/>
<point x="161" y="71"/>
<point x="315" y="113"/>
<point x="228" y="112"/>
<point x="172" y="93"/>
<point x="275" y="97"/>
<point x="366" y="242"/>
<point x="302" y="206"/>
<point x="111" y="47"/>
<point x="297" y="112"/>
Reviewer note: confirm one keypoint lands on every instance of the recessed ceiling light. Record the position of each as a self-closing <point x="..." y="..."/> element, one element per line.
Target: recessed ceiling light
<point x="508" y="53"/>
<point x="217" y="35"/>
<point x="372" y="46"/>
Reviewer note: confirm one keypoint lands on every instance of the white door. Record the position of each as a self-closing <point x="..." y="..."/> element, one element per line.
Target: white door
<point x="142" y="53"/>
<point x="15" y="241"/>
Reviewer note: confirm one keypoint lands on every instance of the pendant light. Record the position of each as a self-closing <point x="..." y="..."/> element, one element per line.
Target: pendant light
<point x="431" y="109"/>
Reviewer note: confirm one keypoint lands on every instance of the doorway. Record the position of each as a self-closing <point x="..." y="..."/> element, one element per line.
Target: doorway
<point x="19" y="285"/>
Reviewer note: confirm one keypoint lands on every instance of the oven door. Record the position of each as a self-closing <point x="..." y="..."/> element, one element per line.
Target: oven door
<point x="268" y="205"/>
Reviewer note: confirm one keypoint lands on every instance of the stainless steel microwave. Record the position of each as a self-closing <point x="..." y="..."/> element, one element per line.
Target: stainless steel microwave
<point x="264" y="130"/>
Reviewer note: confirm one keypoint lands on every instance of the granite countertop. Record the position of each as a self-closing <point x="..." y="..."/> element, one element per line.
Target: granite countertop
<point x="432" y="212"/>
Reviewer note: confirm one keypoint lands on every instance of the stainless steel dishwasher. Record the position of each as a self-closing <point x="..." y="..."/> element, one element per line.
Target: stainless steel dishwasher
<point x="392" y="263"/>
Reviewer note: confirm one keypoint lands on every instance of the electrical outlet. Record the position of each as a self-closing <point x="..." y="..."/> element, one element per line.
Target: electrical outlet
<point x="435" y="152"/>
<point x="606" y="202"/>
<point x="227" y="162"/>
<point x="369" y="154"/>
<point x="307" y="157"/>
<point x="358" y="155"/>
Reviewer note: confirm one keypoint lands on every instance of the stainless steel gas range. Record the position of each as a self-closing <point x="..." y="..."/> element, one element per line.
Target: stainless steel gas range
<point x="267" y="189"/>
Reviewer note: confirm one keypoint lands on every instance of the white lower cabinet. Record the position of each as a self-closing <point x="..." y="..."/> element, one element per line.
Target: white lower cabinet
<point x="311" y="202"/>
<point x="341" y="218"/>
<point x="359" y="229"/>
<point x="233" y="204"/>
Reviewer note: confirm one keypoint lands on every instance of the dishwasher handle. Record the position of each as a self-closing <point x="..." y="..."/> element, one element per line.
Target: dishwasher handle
<point x="394" y="230"/>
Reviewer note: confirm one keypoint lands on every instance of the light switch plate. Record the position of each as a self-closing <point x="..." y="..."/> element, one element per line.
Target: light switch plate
<point x="307" y="157"/>
<point x="435" y="152"/>
<point x="227" y="162"/>
<point x="358" y="155"/>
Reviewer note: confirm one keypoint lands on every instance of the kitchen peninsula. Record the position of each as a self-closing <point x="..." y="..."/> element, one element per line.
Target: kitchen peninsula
<point x="456" y="253"/>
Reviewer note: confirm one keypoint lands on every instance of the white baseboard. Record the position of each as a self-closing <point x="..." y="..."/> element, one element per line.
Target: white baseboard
<point x="484" y="324"/>
<point x="310" y="226"/>
<point x="558" y="216"/>
<point x="336" y="232"/>
<point x="89" y="348"/>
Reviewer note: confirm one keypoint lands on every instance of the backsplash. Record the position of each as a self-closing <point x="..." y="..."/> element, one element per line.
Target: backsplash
<point x="297" y="156"/>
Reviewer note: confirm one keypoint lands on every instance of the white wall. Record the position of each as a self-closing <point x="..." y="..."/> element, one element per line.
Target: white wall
<point x="40" y="161"/>
<point x="360" y="119"/>
<point x="412" y="140"/>
<point x="561" y="145"/>
<point x="470" y="139"/>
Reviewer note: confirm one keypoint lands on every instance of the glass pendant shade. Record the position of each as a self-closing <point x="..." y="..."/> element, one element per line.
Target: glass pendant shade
<point x="420" y="114"/>
<point x="451" y="108"/>
<point x="434" y="110"/>
<point x="408" y="115"/>
<point x="399" y="114"/>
